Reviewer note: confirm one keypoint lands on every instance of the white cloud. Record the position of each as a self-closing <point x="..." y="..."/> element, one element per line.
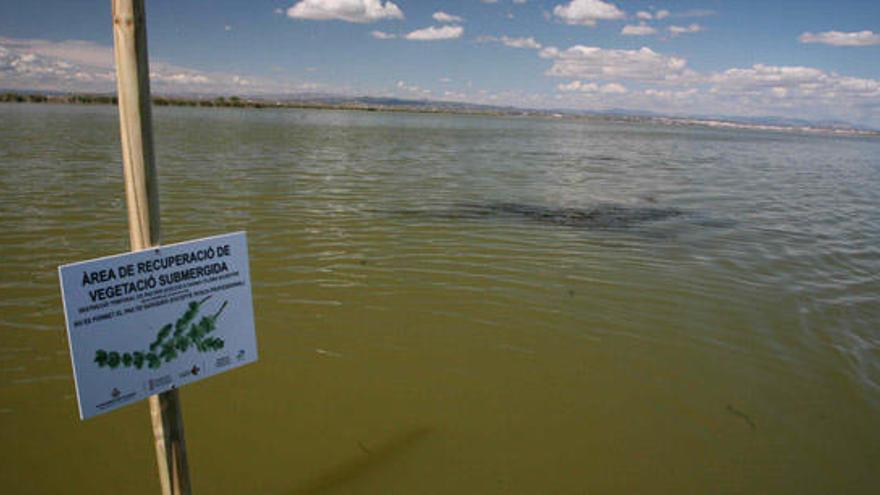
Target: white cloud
<point x="519" y="2"/>
<point x="549" y="52"/>
<point x="441" y="16"/>
<point x="361" y="11"/>
<point x="227" y="27"/>
<point x="84" y="66"/>
<point x="77" y="52"/>
<point x="412" y="88"/>
<point x="614" y="88"/>
<point x="454" y="95"/>
<point x="797" y="91"/>
<point x="759" y="77"/>
<point x="587" y="12"/>
<point x="671" y="94"/>
<point x="591" y="62"/>
<point x="433" y="33"/>
<point x="49" y="65"/>
<point x="779" y="92"/>
<point x="593" y="88"/>
<point x="837" y="38"/>
<point x="677" y="30"/>
<point x="521" y="42"/>
<point x="382" y="35"/>
<point x="760" y="90"/>
<point x="792" y="82"/>
<point x="577" y="86"/>
<point x="511" y="42"/>
<point x="659" y="15"/>
<point x="640" y="30"/>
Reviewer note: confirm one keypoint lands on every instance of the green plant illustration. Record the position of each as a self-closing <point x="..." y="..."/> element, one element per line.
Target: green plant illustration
<point x="171" y="341"/>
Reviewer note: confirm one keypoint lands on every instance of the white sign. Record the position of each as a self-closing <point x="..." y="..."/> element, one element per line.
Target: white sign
<point x="145" y="322"/>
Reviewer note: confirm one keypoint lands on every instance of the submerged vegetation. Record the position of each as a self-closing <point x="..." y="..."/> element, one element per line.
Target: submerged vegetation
<point x="606" y="216"/>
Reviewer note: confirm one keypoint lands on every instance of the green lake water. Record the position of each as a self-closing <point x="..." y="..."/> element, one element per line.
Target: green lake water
<point x="408" y="345"/>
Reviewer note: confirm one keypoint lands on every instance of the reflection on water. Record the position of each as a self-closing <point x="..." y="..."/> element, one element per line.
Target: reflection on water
<point x="432" y="318"/>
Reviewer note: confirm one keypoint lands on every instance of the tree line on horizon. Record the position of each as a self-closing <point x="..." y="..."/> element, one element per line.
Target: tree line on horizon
<point x="102" y="99"/>
<point x="239" y="102"/>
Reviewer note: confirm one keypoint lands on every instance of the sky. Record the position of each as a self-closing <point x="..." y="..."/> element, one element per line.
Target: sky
<point x="816" y="60"/>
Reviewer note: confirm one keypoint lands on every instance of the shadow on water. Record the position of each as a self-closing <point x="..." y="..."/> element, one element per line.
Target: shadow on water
<point x="372" y="456"/>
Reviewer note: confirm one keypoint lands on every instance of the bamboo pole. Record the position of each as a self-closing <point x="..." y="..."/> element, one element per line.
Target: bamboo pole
<point x="142" y="197"/>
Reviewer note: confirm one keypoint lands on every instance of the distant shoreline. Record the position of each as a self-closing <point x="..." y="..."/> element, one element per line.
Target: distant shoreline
<point x="426" y="107"/>
<point x="255" y="103"/>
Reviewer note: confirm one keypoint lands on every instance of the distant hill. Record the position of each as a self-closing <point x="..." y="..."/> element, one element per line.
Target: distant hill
<point x="331" y="99"/>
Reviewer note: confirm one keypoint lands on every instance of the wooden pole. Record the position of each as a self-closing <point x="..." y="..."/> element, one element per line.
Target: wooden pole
<point x="142" y="197"/>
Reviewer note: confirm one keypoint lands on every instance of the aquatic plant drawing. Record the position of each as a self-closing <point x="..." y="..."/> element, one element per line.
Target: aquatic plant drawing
<point x="171" y="341"/>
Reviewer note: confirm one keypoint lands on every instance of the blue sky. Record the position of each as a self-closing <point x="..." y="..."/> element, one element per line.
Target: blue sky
<point x="817" y="60"/>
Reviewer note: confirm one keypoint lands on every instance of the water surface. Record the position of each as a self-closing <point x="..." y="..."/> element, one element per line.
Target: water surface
<point x="409" y="348"/>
